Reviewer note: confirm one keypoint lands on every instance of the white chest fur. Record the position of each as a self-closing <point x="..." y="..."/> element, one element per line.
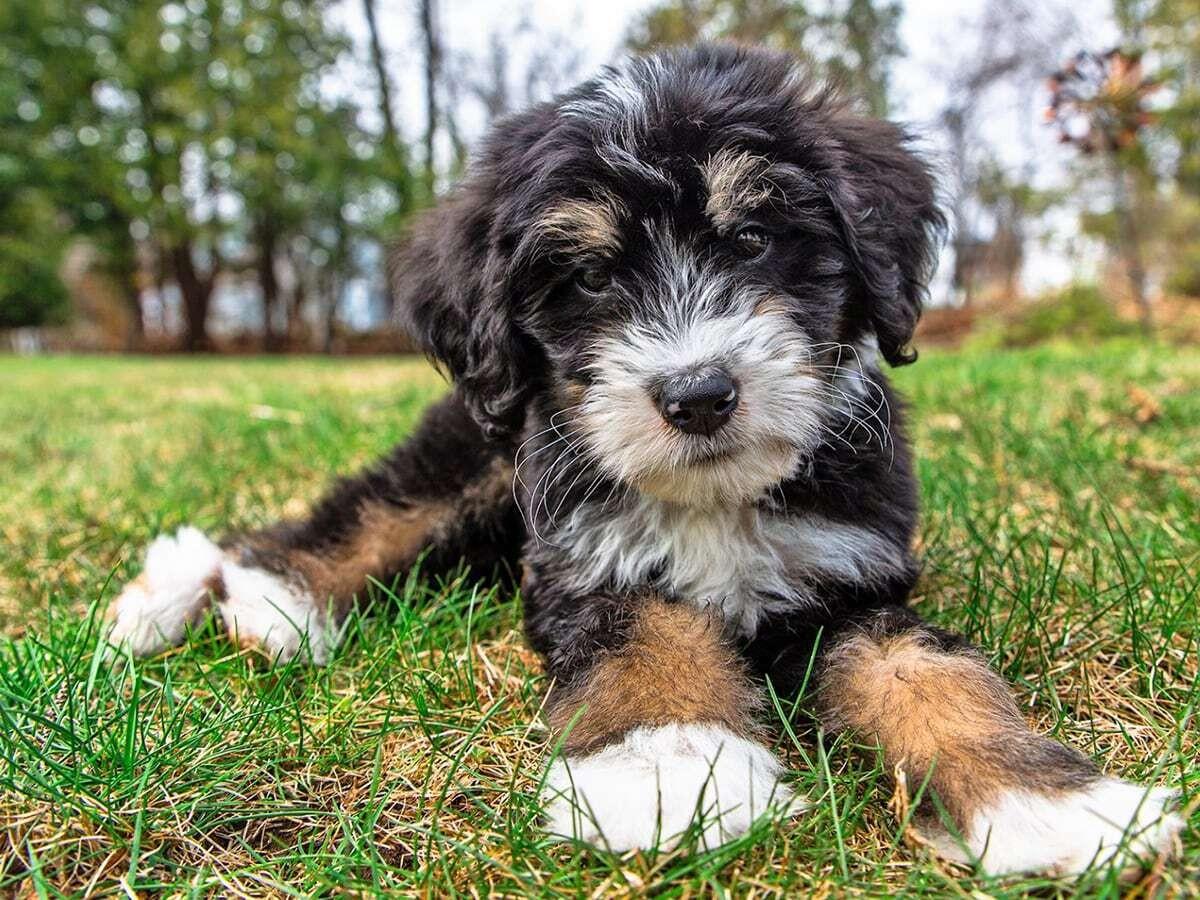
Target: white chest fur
<point x="743" y="561"/>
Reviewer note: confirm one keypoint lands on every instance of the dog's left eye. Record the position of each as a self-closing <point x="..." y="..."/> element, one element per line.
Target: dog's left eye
<point x="593" y="280"/>
<point x="751" y="242"/>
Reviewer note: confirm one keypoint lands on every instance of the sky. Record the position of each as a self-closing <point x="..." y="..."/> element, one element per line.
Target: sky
<point x="935" y="35"/>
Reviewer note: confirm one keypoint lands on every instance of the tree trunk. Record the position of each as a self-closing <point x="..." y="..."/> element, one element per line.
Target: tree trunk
<point x="334" y="279"/>
<point x="197" y="295"/>
<point x="268" y="283"/>
<point x="161" y="279"/>
<point x="955" y="122"/>
<point x="378" y="62"/>
<point x="391" y="136"/>
<point x="297" y="301"/>
<point x="433" y="62"/>
<point x="330" y="286"/>
<point x="123" y="268"/>
<point x="126" y="275"/>
<point x="1130" y="242"/>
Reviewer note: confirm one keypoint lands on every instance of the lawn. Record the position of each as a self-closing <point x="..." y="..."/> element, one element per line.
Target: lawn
<point x="1061" y="489"/>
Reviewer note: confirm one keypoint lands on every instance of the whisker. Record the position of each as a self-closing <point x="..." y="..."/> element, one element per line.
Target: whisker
<point x="544" y="480"/>
<point x="599" y="480"/>
<point x="595" y="483"/>
<point x="852" y="403"/>
<point x="517" y="470"/>
<point x="518" y="461"/>
<point x="563" y="499"/>
<point x="853" y="449"/>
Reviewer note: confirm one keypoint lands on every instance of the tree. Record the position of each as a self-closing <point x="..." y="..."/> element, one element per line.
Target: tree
<point x="194" y="145"/>
<point x="1010" y="203"/>
<point x="1098" y="105"/>
<point x="432" y="47"/>
<point x="269" y="63"/>
<point x="132" y="119"/>
<point x="522" y="65"/>
<point x="871" y="34"/>
<point x="1009" y="47"/>
<point x="1171" y="33"/>
<point x="31" y="240"/>
<point x="854" y="42"/>
<point x="781" y="24"/>
<point x="51" y="163"/>
<point x="31" y="293"/>
<point x="393" y="152"/>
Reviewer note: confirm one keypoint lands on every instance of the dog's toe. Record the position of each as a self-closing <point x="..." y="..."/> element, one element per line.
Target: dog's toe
<point x="648" y="788"/>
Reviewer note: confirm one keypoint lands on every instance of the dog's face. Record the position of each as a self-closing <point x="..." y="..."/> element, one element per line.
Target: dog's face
<point x="672" y="259"/>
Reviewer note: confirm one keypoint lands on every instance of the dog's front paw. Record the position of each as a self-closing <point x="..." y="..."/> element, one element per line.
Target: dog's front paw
<point x="154" y="610"/>
<point x="182" y="577"/>
<point x="1110" y="821"/>
<point x="646" y="789"/>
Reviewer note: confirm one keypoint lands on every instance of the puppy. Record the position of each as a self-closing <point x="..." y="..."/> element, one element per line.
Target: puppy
<point x="665" y="299"/>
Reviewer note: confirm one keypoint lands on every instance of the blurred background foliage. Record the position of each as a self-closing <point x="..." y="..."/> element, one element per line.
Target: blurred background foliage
<point x="198" y="175"/>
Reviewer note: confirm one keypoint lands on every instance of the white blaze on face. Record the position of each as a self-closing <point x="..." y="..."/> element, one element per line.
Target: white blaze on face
<point x="778" y="417"/>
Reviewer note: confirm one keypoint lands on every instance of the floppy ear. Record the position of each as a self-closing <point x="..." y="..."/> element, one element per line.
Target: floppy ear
<point x="892" y="227"/>
<point x="450" y="278"/>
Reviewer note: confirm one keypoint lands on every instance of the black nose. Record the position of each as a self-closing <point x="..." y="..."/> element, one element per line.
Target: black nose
<point x="698" y="404"/>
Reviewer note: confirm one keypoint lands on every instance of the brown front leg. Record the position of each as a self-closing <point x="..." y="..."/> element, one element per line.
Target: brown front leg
<point x="1016" y="801"/>
<point x="657" y="734"/>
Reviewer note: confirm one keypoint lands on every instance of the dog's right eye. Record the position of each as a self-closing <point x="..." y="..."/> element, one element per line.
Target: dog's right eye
<point x="593" y="280"/>
<point x="751" y="242"/>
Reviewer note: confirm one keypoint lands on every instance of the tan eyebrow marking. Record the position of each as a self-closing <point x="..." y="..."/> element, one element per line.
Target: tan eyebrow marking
<point x="735" y="181"/>
<point x="584" y="226"/>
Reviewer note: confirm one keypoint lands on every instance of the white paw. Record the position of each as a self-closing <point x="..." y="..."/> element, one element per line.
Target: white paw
<point x="646" y="789"/>
<point x="1110" y="821"/>
<point x="173" y="592"/>
<point x="277" y="616"/>
<point x="153" y="612"/>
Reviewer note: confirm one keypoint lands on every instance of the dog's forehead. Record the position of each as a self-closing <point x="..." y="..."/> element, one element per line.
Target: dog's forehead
<point x="704" y="138"/>
<point x="657" y="125"/>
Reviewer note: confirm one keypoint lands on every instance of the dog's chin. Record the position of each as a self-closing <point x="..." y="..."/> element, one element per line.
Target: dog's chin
<point x="725" y="478"/>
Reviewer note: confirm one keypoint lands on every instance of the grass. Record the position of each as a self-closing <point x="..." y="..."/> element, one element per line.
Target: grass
<point x="1061" y="532"/>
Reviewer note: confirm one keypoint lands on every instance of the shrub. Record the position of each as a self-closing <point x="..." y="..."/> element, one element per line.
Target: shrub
<point x="1078" y="311"/>
<point x="31" y="293"/>
<point x="1184" y="276"/>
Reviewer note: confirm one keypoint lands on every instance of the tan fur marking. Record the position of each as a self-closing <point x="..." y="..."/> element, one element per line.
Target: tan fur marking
<point x="389" y="538"/>
<point x="771" y="306"/>
<point x="929" y="709"/>
<point x="735" y="185"/>
<point x="386" y="536"/>
<point x="675" y="668"/>
<point x="584" y="226"/>
<point x="215" y="585"/>
<point x="574" y="392"/>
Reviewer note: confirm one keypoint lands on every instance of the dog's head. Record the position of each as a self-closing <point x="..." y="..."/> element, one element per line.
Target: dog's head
<point x="664" y="255"/>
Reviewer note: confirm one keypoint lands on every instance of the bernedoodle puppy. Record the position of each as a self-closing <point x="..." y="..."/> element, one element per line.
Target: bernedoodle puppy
<point x="664" y="300"/>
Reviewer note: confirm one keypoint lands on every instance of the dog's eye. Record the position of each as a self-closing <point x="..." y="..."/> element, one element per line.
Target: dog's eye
<point x="751" y="242"/>
<point x="593" y="280"/>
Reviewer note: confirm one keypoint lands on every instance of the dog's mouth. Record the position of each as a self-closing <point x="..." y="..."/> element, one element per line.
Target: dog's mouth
<point x="713" y="457"/>
<point x="720" y="475"/>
